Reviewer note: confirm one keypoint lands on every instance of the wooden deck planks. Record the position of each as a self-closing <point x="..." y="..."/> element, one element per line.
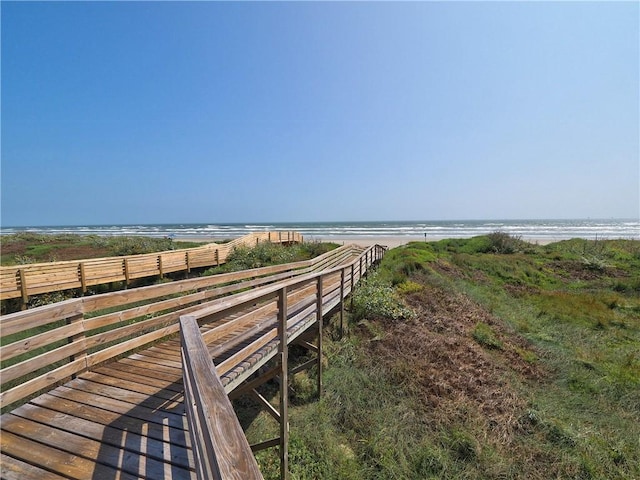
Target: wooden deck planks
<point x="126" y="419"/>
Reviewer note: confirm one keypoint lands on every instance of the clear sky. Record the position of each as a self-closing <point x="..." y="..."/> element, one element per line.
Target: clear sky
<point x="163" y="112"/>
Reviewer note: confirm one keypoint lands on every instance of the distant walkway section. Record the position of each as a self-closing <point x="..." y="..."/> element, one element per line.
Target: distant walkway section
<point x="22" y="281"/>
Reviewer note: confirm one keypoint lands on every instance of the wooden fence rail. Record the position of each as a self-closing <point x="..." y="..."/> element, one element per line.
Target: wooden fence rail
<point x="75" y="335"/>
<point x="288" y="310"/>
<point x="246" y="318"/>
<point x="22" y="281"/>
<point x="226" y="453"/>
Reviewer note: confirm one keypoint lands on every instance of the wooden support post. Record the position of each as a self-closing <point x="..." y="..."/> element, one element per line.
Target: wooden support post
<point x="125" y="266"/>
<point x="280" y="237"/>
<point x="160" y="266"/>
<point x="76" y="338"/>
<point x="319" y="316"/>
<point x="23" y="289"/>
<point x="360" y="271"/>
<point x="83" y="278"/>
<point x="352" y="281"/>
<point x="284" y="385"/>
<point x="341" y="302"/>
<point x="269" y="237"/>
<point x="217" y="256"/>
<point x="188" y="263"/>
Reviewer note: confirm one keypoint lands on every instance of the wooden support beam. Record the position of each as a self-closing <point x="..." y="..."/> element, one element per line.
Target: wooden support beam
<point x="255" y="383"/>
<point x="304" y="366"/>
<point x="266" y="404"/>
<point x="307" y="345"/>
<point x="274" y="442"/>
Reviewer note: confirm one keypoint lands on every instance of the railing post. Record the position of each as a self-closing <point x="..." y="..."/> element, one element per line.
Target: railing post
<point x="341" y="301"/>
<point x="352" y="282"/>
<point x="319" y="316"/>
<point x="284" y="384"/>
<point x="23" y="289"/>
<point x="79" y="337"/>
<point x="125" y="266"/>
<point x="83" y="278"/>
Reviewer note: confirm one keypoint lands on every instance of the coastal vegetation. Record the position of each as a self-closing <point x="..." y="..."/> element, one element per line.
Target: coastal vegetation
<point x="487" y="357"/>
<point x="484" y="358"/>
<point x="27" y="247"/>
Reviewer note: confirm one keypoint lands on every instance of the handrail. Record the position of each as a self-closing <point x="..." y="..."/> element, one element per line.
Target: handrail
<point x="215" y="438"/>
<point x="225" y="453"/>
<point x="73" y="339"/>
<point x="30" y="279"/>
<point x="74" y="336"/>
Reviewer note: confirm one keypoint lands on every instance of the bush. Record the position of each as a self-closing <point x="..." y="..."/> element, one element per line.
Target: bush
<point x="501" y="242"/>
<point x="376" y="298"/>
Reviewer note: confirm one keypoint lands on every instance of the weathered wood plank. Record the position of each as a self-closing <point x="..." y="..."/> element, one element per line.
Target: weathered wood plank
<point x="14" y="469"/>
<point x="58" y="461"/>
<point x="222" y="444"/>
<point x="100" y="453"/>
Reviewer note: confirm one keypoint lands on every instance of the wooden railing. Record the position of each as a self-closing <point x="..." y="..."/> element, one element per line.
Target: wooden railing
<point x="287" y="309"/>
<point x="224" y="453"/>
<point x="21" y="281"/>
<point x="46" y="345"/>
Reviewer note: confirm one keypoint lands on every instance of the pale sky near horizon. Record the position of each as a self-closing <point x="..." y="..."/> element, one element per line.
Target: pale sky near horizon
<point x="176" y="112"/>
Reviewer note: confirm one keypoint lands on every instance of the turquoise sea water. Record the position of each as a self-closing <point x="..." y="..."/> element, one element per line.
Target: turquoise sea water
<point x="529" y="229"/>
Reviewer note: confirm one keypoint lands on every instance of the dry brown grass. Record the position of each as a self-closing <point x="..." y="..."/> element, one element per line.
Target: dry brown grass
<point x="437" y="359"/>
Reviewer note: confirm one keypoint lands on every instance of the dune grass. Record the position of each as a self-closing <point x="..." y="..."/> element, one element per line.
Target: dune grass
<point x="519" y="361"/>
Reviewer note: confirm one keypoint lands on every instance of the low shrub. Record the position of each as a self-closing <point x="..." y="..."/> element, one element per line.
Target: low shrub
<point x="376" y="298"/>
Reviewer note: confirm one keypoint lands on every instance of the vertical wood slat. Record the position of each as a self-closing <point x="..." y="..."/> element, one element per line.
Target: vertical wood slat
<point x="23" y="288"/>
<point x="125" y="265"/>
<point x="83" y="277"/>
<point x="341" y="302"/>
<point x="319" y="317"/>
<point x="283" y="351"/>
<point x="80" y="337"/>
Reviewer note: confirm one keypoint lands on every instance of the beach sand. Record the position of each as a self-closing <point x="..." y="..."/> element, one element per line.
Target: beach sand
<point x="389" y="242"/>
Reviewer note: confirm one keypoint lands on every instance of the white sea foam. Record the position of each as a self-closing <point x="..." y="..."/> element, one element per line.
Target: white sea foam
<point x="530" y="229"/>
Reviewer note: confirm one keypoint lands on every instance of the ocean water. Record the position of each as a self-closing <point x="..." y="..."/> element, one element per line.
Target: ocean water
<point x="544" y="230"/>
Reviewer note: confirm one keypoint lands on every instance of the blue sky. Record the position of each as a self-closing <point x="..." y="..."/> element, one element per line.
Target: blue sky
<point x="162" y="112"/>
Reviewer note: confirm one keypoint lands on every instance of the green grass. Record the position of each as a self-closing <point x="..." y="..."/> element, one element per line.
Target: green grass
<point x="559" y="327"/>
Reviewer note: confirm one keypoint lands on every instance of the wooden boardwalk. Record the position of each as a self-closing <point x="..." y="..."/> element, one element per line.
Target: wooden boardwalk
<point x="126" y="418"/>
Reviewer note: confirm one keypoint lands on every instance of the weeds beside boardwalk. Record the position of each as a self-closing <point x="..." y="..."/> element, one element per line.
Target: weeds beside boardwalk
<point x="522" y="365"/>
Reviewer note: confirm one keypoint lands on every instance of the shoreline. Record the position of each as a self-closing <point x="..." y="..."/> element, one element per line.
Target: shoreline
<point x="387" y="241"/>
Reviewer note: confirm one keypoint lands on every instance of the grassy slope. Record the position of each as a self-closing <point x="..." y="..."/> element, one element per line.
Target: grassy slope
<point x="518" y="365"/>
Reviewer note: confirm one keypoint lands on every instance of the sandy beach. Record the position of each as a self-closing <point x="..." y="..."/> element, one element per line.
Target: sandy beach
<point x="389" y="242"/>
